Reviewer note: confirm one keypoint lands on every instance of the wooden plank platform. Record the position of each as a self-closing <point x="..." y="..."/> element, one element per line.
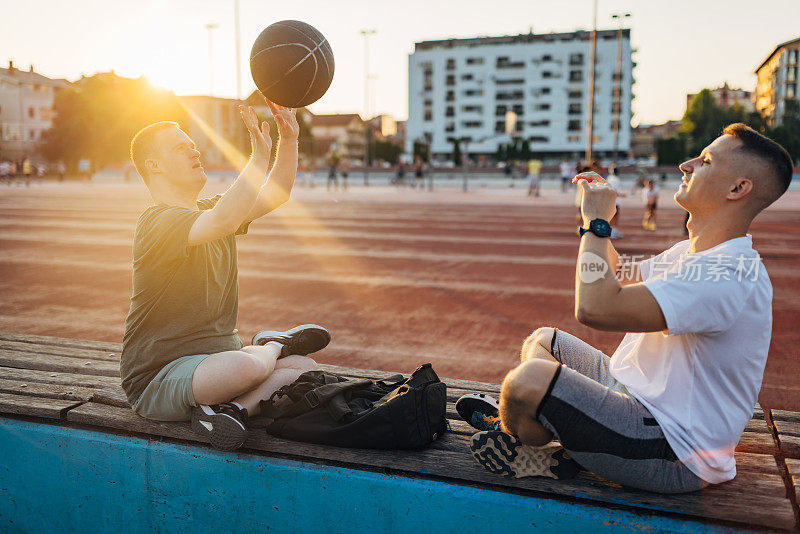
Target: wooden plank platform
<point x="75" y="384"/>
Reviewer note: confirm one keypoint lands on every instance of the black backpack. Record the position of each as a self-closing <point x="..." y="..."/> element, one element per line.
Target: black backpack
<point x="393" y="413"/>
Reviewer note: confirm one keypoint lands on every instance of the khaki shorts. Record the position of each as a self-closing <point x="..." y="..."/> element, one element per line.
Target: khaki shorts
<point x="169" y="397"/>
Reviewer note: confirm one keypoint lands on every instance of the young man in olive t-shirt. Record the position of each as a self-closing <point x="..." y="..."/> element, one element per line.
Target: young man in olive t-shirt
<point x="182" y="358"/>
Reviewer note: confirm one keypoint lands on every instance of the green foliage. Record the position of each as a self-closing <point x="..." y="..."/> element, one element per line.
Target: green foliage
<point x="525" y="150"/>
<point x="97" y="118"/>
<point x="387" y="151"/>
<point x="671" y="151"/>
<point x="456" y="152"/>
<point x="502" y="153"/>
<point x="703" y="121"/>
<point x="788" y="133"/>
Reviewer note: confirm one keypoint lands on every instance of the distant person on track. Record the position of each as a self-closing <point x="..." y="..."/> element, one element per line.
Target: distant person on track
<point x="650" y="198"/>
<point x="333" y="169"/>
<point x="182" y="358"/>
<point x="534" y="176"/>
<point x="666" y="411"/>
<point x="567" y="171"/>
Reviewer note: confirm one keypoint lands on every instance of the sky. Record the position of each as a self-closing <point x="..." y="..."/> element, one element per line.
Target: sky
<point x="681" y="46"/>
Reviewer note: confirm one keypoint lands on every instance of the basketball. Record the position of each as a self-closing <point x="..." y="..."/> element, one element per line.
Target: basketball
<point x="292" y="63"/>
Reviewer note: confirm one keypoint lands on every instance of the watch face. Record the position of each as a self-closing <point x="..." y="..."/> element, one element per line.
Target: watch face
<point x="601" y="227"/>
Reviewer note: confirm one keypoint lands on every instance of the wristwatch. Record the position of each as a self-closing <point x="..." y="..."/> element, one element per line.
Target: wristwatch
<point x="598" y="227"/>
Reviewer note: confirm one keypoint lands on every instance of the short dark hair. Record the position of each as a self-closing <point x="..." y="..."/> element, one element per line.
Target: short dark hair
<point x="771" y="153"/>
<point x="142" y="145"/>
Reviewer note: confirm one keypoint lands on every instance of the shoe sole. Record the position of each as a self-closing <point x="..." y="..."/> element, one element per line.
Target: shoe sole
<point x="315" y="328"/>
<point x="505" y="455"/>
<point x="225" y="432"/>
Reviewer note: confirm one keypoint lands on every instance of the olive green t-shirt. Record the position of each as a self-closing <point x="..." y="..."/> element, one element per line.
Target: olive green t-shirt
<point x="185" y="299"/>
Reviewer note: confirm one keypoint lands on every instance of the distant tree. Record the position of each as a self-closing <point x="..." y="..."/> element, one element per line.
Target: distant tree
<point x="525" y="150"/>
<point x="456" y="151"/>
<point x="97" y="117"/>
<point x="502" y="153"/>
<point x="671" y="151"/>
<point x="387" y="151"/>
<point x="703" y="121"/>
<point x="422" y="150"/>
<point x="788" y="133"/>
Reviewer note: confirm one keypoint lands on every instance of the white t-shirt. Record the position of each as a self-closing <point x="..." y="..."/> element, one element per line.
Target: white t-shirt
<point x="564" y="167"/>
<point x="701" y="378"/>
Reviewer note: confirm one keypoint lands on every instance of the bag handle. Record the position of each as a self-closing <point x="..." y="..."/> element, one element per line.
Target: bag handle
<point x="311" y="399"/>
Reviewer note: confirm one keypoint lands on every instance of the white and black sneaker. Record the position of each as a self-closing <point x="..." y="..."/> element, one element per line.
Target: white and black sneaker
<point x="479" y="410"/>
<point x="224" y="424"/>
<point x="302" y="340"/>
<point x="506" y="455"/>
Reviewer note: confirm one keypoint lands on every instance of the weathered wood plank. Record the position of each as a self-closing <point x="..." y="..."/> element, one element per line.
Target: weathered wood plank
<point x="790" y="446"/>
<point x="783" y="415"/>
<point x="49" y="362"/>
<point x="53" y="377"/>
<point x="55" y="350"/>
<point x="51" y="391"/>
<point x="35" y="406"/>
<point x="765" y="504"/>
<point x="112" y="396"/>
<point x="793" y="466"/>
<point x="62" y="342"/>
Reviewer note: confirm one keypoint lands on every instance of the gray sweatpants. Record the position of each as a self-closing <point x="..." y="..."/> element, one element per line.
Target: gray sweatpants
<point x="603" y="427"/>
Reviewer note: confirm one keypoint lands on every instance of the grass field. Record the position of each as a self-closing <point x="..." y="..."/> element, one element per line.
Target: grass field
<point x="399" y="277"/>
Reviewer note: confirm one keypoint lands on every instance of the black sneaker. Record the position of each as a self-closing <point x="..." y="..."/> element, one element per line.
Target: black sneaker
<point x="302" y="340"/>
<point x="479" y="410"/>
<point x="224" y="424"/>
<point x="505" y="455"/>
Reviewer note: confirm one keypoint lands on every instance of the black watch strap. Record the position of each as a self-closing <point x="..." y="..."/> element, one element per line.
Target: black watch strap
<point x="599" y="227"/>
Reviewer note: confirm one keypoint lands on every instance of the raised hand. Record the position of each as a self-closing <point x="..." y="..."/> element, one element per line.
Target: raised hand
<point x="260" y="141"/>
<point x="286" y="120"/>
<point x="599" y="198"/>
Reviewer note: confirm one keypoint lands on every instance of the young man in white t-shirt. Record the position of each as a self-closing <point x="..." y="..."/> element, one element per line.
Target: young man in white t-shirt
<point x="666" y="411"/>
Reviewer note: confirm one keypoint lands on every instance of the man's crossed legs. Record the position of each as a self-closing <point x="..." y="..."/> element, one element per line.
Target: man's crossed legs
<point x="563" y="390"/>
<point x="219" y="392"/>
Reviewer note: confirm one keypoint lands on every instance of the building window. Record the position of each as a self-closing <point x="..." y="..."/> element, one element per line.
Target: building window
<point x="575" y="94"/>
<point x="451" y="64"/>
<point x="474" y="61"/>
<point x="542" y="107"/>
<point x="450" y="127"/>
<point x="617" y="76"/>
<point x="450" y="80"/>
<point x="575" y="108"/>
<point x="510" y="95"/>
<point x="428" y="110"/>
<point x="500" y="111"/>
<point x="472" y="124"/>
<point x="539" y="139"/>
<point x="793" y="56"/>
<point x="500" y="127"/>
<point x="539" y="123"/>
<point x="504" y="62"/>
<point x="427" y="73"/>
<point x="547" y="57"/>
<point x="575" y="126"/>
<point x="450" y="111"/>
<point x="576" y="59"/>
<point x="574" y="138"/>
<point x="547" y="74"/>
<point x="472" y="109"/>
<point x="576" y="75"/>
<point x="615" y="107"/>
<point x="791" y="74"/>
<point x="467" y="77"/>
<point x="450" y="96"/>
<point x="511" y="81"/>
<point x="791" y="90"/>
<point x="518" y="109"/>
<point x="473" y="92"/>
<point x="31" y="113"/>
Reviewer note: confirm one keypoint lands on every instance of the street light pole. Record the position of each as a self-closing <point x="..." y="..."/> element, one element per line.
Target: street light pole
<point x="618" y="84"/>
<point x="238" y="51"/>
<point x="211" y="27"/>
<point x="366" y="34"/>
<point x="589" y="123"/>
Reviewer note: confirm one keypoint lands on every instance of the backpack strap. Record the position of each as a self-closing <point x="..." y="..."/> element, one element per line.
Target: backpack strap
<point x="311" y="399"/>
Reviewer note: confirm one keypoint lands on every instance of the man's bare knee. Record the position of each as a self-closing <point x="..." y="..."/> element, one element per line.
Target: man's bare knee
<point x="295" y="361"/>
<point x="522" y="391"/>
<point x="538" y="344"/>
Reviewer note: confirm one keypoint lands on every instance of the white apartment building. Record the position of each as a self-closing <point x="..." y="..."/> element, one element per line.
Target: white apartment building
<point x="777" y="81"/>
<point x="26" y="110"/>
<point x="534" y="86"/>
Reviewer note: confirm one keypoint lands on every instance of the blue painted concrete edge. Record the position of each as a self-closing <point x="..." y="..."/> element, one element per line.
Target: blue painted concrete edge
<point x="70" y="479"/>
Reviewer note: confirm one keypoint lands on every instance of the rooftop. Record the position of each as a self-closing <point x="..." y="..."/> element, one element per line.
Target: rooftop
<point x="14" y="74"/>
<point x="523" y="38"/>
<point x="775" y="51"/>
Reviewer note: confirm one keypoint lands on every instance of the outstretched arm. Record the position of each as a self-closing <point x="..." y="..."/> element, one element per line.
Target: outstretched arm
<point x="279" y="184"/>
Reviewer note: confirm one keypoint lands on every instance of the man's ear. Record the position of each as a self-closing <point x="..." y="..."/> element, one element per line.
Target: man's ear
<point x="740" y="189"/>
<point x="152" y="166"/>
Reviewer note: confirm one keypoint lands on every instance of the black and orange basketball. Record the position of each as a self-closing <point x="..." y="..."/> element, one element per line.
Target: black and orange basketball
<point x="292" y="63"/>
